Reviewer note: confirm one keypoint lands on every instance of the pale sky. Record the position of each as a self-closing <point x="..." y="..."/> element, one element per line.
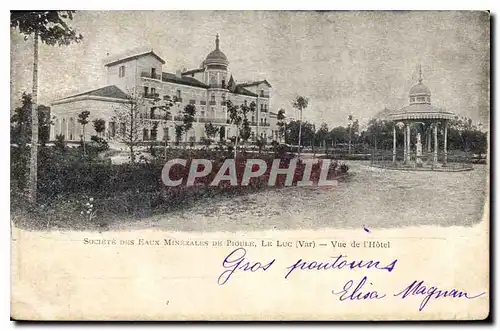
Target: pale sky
<point x="344" y="62"/>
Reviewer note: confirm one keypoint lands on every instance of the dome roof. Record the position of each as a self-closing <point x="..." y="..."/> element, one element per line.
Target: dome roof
<point x="216" y="57"/>
<point x="419" y="89"/>
<point x="419" y="112"/>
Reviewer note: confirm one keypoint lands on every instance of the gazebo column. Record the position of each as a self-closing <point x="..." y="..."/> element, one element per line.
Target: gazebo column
<point x="408" y="148"/>
<point x="445" y="160"/>
<point x="405" y="144"/>
<point x="428" y="141"/>
<point x="394" y="144"/>
<point x="435" y="143"/>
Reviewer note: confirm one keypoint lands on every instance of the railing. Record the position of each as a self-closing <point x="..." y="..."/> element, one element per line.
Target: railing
<point x="213" y="120"/>
<point x="263" y="110"/>
<point x="264" y="95"/>
<point x="192" y="102"/>
<point x="203" y="103"/>
<point x="451" y="161"/>
<point x="265" y="124"/>
<point x="212" y="103"/>
<point x="147" y="74"/>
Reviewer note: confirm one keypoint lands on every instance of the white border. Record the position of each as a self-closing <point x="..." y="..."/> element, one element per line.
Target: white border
<point x="491" y="5"/>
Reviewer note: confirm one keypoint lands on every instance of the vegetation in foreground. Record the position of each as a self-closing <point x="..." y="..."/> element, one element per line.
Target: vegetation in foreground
<point x="84" y="191"/>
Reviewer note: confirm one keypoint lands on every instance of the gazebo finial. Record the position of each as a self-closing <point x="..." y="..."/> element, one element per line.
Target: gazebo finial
<point x="420" y="74"/>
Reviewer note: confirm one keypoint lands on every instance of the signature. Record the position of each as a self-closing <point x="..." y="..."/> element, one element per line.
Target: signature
<point x="417" y="288"/>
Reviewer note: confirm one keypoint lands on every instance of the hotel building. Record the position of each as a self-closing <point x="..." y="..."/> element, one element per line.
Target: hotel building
<point x="206" y="87"/>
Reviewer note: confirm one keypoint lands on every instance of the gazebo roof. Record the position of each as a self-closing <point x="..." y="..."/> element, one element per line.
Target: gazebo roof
<point x="421" y="111"/>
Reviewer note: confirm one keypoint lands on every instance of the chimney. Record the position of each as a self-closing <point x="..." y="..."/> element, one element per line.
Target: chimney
<point x="178" y="73"/>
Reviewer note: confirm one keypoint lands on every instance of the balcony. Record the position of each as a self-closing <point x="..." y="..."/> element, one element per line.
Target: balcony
<point x="212" y="103"/>
<point x="212" y="120"/>
<point x="263" y="95"/>
<point x="177" y="99"/>
<point x="192" y="102"/>
<point x="203" y="103"/>
<point x="147" y="74"/>
<point x="263" y="110"/>
<point x="265" y="124"/>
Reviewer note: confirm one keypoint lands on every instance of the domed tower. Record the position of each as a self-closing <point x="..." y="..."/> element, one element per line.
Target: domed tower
<point x="420" y="93"/>
<point x="215" y="66"/>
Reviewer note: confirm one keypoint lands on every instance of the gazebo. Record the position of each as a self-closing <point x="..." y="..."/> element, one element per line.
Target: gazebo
<point x="421" y="117"/>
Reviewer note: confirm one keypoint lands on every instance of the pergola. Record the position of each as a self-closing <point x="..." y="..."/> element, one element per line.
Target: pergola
<point x="420" y="111"/>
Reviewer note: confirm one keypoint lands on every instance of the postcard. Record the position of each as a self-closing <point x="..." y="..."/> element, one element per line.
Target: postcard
<point x="250" y="165"/>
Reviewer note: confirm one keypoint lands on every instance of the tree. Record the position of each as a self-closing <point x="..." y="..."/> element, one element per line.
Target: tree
<point x="300" y="103"/>
<point x="281" y="124"/>
<point x="131" y="123"/>
<point x="83" y="120"/>
<point x="20" y="132"/>
<point x="261" y="142"/>
<point x="188" y="119"/>
<point x="246" y="130"/>
<point x="164" y="106"/>
<point x="49" y="27"/>
<point x="222" y="133"/>
<point x="211" y="131"/>
<point x="99" y="126"/>
<point x="322" y="134"/>
<point x="179" y="129"/>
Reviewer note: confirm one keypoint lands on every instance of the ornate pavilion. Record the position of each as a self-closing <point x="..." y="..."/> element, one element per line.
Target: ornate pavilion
<point x="420" y="119"/>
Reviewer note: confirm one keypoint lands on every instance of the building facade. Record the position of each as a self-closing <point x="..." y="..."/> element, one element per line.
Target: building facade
<point x="143" y="76"/>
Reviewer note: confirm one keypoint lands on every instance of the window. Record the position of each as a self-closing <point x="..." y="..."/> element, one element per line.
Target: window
<point x="261" y="93"/>
<point x="152" y="113"/>
<point x="213" y="97"/>
<point x="192" y="101"/>
<point x="145" y="134"/>
<point x="261" y="107"/>
<point x="112" y="129"/>
<point x="420" y="98"/>
<point x="121" y="71"/>
<point x="153" y="91"/>
<point x="223" y="98"/>
<point x="223" y="83"/>
<point x="123" y="129"/>
<point x="146" y="90"/>
<point x="165" y="134"/>
<point x="179" y="96"/>
<point x="154" y="133"/>
<point x="71" y="128"/>
<point x="153" y="72"/>
<point x="245" y="102"/>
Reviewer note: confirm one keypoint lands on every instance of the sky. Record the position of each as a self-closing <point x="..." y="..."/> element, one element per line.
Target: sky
<point x="344" y="62"/>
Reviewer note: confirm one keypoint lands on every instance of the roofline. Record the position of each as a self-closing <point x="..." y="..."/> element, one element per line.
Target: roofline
<point x="125" y="59"/>
<point x="87" y="97"/>
<point x="255" y="83"/>
<point x="192" y="71"/>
